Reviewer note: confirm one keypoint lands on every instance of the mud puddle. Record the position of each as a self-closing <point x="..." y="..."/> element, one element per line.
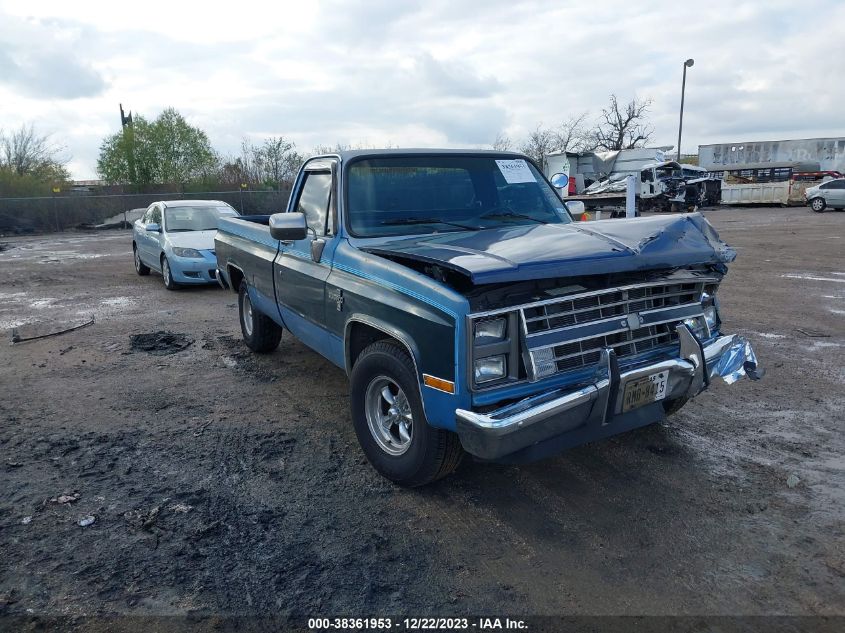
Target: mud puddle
<point x="160" y="343"/>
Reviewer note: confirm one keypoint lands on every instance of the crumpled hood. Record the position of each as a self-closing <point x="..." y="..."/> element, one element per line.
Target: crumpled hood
<point x="539" y="251"/>
<point x="200" y="240"/>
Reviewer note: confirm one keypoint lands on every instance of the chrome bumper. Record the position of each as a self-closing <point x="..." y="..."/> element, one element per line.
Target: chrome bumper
<point x="595" y="410"/>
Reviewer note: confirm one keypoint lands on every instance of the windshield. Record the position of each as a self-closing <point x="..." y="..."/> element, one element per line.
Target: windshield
<point x="427" y="194"/>
<point x="198" y="218"/>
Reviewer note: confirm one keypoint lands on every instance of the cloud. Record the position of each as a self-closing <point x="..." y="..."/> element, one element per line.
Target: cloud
<point x="433" y="72"/>
<point x="39" y="60"/>
<point x="50" y="75"/>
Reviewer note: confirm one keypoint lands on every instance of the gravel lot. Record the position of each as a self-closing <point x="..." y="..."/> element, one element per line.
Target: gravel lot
<point x="227" y="483"/>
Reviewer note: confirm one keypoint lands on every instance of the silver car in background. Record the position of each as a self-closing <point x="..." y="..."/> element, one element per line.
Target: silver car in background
<point x="830" y="193"/>
<point x="176" y="238"/>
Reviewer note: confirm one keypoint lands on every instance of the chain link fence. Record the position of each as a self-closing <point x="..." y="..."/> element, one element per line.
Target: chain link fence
<point x="61" y="212"/>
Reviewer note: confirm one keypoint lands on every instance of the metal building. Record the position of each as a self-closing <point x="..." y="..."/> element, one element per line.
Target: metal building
<point x="828" y="152"/>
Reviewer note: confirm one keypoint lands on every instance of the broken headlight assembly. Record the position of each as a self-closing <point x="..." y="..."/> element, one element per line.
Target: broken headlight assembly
<point x="708" y="323"/>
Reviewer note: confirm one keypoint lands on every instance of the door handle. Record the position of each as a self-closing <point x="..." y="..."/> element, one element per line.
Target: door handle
<point x="317" y="246"/>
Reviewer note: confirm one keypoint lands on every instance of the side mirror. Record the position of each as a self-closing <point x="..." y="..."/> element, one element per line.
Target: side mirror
<point x="288" y="227"/>
<point x="152" y="228"/>
<point x="560" y="181"/>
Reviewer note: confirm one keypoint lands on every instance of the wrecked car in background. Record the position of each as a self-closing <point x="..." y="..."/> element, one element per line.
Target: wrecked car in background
<point x="472" y="314"/>
<point x="599" y="180"/>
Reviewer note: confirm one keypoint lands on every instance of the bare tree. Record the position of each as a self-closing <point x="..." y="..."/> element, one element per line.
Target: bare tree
<point x="502" y="143"/>
<point x="27" y="153"/>
<point x="570" y="135"/>
<point x="623" y="127"/>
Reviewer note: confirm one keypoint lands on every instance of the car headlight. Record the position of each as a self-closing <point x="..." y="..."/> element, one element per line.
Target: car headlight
<point x="707" y="324"/>
<point x="187" y="252"/>
<point x="710" y="307"/>
<point x="489" y="331"/>
<point x="490" y="368"/>
<point x="698" y="325"/>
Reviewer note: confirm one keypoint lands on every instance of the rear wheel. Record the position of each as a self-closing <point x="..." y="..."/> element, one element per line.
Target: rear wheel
<point x="818" y="204"/>
<point x="140" y="267"/>
<point x="261" y="334"/>
<point x="167" y="275"/>
<point x="390" y="422"/>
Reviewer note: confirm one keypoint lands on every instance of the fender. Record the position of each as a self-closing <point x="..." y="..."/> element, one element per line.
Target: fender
<point x="388" y="329"/>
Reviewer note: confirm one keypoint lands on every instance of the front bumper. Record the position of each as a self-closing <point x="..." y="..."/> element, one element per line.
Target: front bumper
<point x="593" y="411"/>
<point x="194" y="270"/>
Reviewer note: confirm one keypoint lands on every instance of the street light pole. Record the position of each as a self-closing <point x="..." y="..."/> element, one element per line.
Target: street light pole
<point x="687" y="64"/>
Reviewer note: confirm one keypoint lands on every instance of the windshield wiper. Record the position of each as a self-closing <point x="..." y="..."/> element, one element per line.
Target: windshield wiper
<point x="413" y="220"/>
<point x="499" y="212"/>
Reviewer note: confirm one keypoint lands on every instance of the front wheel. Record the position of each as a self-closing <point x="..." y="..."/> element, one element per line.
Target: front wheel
<point x="167" y="275"/>
<point x="261" y="334"/>
<point x="818" y="204"/>
<point x="390" y="423"/>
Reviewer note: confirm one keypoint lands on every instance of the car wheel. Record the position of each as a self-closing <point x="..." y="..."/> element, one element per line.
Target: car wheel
<point x="818" y="204"/>
<point x="261" y="334"/>
<point x="140" y="267"/>
<point x="167" y="275"/>
<point x="390" y="423"/>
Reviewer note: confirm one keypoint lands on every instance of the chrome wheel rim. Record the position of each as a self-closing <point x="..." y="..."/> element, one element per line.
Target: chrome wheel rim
<point x="137" y="260"/>
<point x="389" y="416"/>
<point x="246" y="311"/>
<point x="166" y="271"/>
<point x="817" y="205"/>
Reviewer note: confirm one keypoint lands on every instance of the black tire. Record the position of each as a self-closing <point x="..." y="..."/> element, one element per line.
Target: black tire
<point x="430" y="453"/>
<point x="167" y="276"/>
<point x="818" y="204"/>
<point x="261" y="334"/>
<point x="140" y="268"/>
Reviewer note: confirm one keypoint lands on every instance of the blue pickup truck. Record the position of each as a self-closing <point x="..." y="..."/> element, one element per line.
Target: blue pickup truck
<point x="472" y="314"/>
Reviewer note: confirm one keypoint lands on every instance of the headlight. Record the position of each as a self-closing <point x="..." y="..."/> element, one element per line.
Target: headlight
<point x="698" y="326"/>
<point x="186" y="252"/>
<point x="711" y="309"/>
<point x="490" y="368"/>
<point x="489" y="331"/>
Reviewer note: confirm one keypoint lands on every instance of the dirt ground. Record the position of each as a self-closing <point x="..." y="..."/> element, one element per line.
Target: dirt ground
<point x="221" y="482"/>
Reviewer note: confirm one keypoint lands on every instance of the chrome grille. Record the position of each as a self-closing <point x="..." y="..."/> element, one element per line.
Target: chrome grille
<point x="570" y="356"/>
<point x="570" y="333"/>
<point x="608" y="304"/>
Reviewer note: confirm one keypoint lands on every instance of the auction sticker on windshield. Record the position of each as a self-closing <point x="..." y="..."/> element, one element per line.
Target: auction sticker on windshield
<point x="644" y="390"/>
<point x="515" y="171"/>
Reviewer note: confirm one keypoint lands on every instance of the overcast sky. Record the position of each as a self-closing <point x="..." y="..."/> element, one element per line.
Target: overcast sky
<point x="448" y="73"/>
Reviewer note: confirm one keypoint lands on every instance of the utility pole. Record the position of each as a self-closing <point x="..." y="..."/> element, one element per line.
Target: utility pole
<point x="126" y="122"/>
<point x="687" y="64"/>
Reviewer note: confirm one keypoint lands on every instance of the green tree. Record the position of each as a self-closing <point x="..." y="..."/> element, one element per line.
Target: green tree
<point x="166" y="150"/>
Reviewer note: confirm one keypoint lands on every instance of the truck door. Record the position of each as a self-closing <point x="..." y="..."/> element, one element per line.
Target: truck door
<point x="301" y="268"/>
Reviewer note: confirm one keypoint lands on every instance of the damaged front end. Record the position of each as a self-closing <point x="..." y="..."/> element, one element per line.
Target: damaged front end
<point x="576" y="333"/>
<point x="553" y="420"/>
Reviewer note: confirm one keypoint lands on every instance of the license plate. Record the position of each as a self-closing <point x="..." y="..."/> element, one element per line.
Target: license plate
<point x="644" y="390"/>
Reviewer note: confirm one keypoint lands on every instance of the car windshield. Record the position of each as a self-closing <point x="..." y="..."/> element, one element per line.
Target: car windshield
<point x="199" y="218"/>
<point x="428" y="194"/>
